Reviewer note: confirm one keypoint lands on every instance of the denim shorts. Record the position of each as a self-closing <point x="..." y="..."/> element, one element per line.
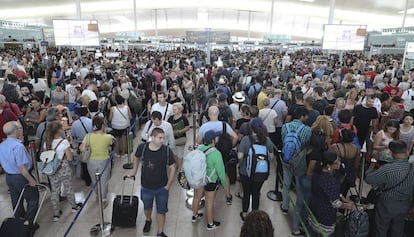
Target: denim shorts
<point x="161" y="199"/>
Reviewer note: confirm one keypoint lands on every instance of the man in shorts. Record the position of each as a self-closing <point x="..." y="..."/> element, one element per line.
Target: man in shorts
<point x="155" y="180"/>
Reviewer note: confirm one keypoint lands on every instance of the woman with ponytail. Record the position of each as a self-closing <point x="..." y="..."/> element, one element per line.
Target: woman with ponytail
<point x="252" y="185"/>
<point x="99" y="141"/>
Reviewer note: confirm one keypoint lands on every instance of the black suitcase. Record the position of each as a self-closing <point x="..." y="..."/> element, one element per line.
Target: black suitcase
<point x="125" y="208"/>
<point x="20" y="227"/>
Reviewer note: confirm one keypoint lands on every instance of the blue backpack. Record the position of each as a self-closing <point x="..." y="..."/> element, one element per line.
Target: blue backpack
<point x="291" y="143"/>
<point x="257" y="161"/>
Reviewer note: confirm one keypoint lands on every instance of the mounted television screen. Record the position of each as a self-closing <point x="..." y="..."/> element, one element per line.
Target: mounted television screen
<point x="76" y="32"/>
<point x="343" y="37"/>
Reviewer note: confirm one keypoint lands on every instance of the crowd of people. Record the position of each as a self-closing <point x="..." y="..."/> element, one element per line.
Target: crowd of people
<point x="322" y="113"/>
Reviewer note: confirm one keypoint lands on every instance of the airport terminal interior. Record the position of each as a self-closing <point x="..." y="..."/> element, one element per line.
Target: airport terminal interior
<point x="206" y="55"/>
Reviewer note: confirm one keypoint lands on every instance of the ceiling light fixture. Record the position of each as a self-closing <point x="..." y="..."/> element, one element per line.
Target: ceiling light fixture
<point x="307" y="0"/>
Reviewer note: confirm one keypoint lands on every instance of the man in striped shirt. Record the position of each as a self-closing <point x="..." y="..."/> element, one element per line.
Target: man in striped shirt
<point x="397" y="179"/>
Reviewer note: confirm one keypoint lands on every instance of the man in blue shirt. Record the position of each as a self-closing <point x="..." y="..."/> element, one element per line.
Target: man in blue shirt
<point x="16" y="163"/>
<point x="79" y="129"/>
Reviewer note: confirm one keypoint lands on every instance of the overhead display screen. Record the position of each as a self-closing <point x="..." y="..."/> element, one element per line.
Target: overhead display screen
<point x="343" y="37"/>
<point x="76" y="32"/>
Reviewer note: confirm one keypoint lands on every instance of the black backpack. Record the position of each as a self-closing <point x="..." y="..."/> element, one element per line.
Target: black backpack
<point x="10" y="92"/>
<point x="225" y="144"/>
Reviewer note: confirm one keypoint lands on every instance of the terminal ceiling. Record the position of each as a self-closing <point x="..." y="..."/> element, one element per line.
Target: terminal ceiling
<point x="293" y="17"/>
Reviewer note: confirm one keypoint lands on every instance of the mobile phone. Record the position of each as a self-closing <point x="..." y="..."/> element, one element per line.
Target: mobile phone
<point x="373" y="160"/>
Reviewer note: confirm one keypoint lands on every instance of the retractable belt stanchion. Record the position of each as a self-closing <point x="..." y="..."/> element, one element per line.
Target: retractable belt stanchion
<point x="102" y="229"/>
<point x="130" y="145"/>
<point x="276" y="195"/>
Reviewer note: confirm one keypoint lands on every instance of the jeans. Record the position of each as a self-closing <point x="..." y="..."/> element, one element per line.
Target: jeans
<point x="389" y="217"/>
<point x="250" y="187"/>
<point x="16" y="183"/>
<point x="302" y="194"/>
<point x="97" y="166"/>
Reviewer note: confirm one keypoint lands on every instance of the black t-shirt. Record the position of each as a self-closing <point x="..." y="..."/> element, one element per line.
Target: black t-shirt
<point x="240" y="121"/>
<point x="320" y="105"/>
<point x="293" y="107"/>
<point x="363" y="117"/>
<point x="154" y="165"/>
<point x="312" y="116"/>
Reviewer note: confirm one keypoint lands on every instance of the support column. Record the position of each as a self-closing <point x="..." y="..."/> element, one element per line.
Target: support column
<point x="405" y="13"/>
<point x="331" y="11"/>
<point x="248" y="25"/>
<point x="156" y="22"/>
<point x="135" y="15"/>
<point x="78" y="16"/>
<point x="271" y="17"/>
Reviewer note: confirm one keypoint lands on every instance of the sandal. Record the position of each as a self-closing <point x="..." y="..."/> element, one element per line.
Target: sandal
<point x="238" y="195"/>
<point x="298" y="233"/>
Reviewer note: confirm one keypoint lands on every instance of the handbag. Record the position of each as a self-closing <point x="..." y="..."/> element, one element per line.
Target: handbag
<point x="375" y="193"/>
<point x="86" y="154"/>
<point x="181" y="141"/>
<point x="48" y="163"/>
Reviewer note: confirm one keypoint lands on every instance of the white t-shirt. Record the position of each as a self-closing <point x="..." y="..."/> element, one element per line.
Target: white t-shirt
<point x="71" y="92"/>
<point x="235" y="111"/>
<point x="161" y="109"/>
<point x="89" y="94"/>
<point x="268" y="117"/>
<point x="60" y="150"/>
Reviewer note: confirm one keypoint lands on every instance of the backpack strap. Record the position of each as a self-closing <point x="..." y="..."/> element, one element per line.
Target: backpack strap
<point x="80" y="120"/>
<point x="165" y="113"/>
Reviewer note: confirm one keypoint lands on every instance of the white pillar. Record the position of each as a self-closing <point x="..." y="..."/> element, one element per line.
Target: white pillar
<point x="331" y="11"/>
<point x="135" y="15"/>
<point x="248" y="25"/>
<point x="405" y="13"/>
<point x="79" y="16"/>
<point x="271" y="17"/>
<point x="156" y="22"/>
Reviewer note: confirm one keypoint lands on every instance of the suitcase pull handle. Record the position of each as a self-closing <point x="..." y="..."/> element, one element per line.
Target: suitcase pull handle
<point x="123" y="188"/>
<point x="129" y="177"/>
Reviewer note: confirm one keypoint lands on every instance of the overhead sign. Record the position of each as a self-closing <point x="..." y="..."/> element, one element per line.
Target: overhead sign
<point x="201" y="37"/>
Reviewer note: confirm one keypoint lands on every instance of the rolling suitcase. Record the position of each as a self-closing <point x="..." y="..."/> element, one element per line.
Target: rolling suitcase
<point x="125" y="208"/>
<point x="20" y="227"/>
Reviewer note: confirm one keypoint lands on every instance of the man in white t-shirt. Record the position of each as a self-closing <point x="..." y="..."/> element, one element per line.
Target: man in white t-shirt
<point x="269" y="118"/>
<point x="408" y="97"/>
<point x="162" y="106"/>
<point x="88" y="94"/>
<point x="70" y="89"/>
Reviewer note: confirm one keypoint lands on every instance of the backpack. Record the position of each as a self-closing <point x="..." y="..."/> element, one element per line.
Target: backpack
<point x="225" y="144"/>
<point x="195" y="167"/>
<point x="257" y="161"/>
<point x="134" y="103"/>
<point x="255" y="94"/>
<point x="291" y="143"/>
<point x="357" y="224"/>
<point x="10" y="92"/>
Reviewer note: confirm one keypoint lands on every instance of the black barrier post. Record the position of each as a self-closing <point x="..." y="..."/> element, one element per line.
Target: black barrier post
<point x="276" y="195"/>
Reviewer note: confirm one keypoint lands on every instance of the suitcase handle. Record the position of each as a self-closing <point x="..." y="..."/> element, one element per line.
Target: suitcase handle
<point x="129" y="177"/>
<point x="123" y="188"/>
<point x="41" y="201"/>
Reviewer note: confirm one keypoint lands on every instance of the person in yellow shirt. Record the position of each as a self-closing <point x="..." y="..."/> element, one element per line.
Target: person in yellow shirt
<point x="264" y="94"/>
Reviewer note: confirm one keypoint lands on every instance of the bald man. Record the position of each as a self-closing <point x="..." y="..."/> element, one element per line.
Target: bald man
<point x="217" y="126"/>
<point x="16" y="163"/>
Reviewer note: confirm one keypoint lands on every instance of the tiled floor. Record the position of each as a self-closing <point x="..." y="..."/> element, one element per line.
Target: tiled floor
<point x="178" y="220"/>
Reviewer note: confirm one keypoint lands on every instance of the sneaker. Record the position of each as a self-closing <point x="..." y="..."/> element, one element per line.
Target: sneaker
<point x="213" y="226"/>
<point x="229" y="200"/>
<point x="147" y="226"/>
<point x="197" y="217"/>
<point x="76" y="207"/>
<point x="57" y="217"/>
<point x="162" y="234"/>
<point x="284" y="211"/>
